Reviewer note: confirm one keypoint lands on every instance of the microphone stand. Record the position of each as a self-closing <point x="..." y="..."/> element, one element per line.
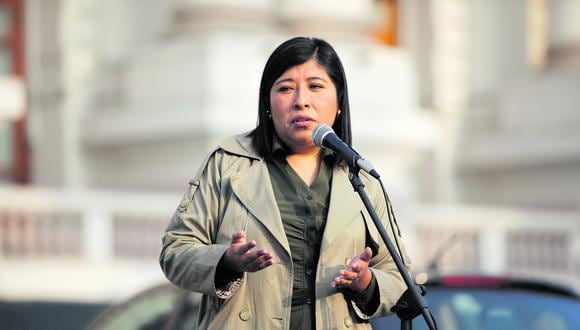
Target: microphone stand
<point x="411" y="303"/>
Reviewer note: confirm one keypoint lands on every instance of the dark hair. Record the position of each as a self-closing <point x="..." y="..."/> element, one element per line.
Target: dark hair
<point x="294" y="52"/>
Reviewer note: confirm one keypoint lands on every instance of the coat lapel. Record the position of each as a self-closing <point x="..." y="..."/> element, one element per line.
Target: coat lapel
<point x="344" y="204"/>
<point x="254" y="190"/>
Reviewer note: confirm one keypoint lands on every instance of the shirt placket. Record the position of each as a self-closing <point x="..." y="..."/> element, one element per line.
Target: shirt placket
<point x="309" y="245"/>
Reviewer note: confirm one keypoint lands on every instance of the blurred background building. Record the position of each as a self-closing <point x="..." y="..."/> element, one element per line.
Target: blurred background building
<point x="469" y="108"/>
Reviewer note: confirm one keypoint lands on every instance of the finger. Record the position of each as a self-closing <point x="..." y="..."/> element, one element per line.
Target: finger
<point x="244" y="248"/>
<point x="259" y="264"/>
<point x="358" y="267"/>
<point x="367" y="254"/>
<point x="257" y="258"/>
<point x="349" y="275"/>
<point x="239" y="236"/>
<point x="265" y="255"/>
<point x="250" y="259"/>
<point x="263" y="252"/>
<point x="341" y="281"/>
<point x="265" y="264"/>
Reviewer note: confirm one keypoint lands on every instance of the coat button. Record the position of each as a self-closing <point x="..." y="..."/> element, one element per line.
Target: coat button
<point x="245" y="315"/>
<point x="347" y="261"/>
<point x="347" y="322"/>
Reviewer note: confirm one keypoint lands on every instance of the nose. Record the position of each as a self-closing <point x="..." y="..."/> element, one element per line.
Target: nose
<point x="301" y="99"/>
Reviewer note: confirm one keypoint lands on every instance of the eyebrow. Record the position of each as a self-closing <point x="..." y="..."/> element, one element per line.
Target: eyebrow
<point x="291" y="80"/>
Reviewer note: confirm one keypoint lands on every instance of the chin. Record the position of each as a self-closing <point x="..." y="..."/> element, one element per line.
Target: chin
<point x="304" y="140"/>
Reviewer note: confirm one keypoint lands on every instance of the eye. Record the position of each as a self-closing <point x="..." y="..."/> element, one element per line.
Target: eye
<point x="316" y="86"/>
<point x="284" y="89"/>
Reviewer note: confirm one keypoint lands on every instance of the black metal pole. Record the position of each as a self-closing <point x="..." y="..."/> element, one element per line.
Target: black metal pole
<point x="416" y="300"/>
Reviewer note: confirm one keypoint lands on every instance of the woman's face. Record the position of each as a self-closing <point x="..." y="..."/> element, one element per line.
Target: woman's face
<point x="301" y="98"/>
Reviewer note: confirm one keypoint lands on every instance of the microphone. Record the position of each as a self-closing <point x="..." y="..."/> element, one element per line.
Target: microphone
<point x="325" y="137"/>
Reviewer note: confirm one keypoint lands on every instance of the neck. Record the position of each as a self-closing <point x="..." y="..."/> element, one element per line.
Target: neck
<point x="307" y="153"/>
<point x="306" y="165"/>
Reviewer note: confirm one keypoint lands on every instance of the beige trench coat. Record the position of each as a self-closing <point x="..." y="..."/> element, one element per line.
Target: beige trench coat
<point x="231" y="191"/>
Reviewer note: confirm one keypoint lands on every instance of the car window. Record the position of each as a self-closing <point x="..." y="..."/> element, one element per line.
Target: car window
<point x="161" y="307"/>
<point x="486" y="309"/>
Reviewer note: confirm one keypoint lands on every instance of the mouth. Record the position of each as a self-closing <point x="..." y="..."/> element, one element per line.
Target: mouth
<point x="302" y="120"/>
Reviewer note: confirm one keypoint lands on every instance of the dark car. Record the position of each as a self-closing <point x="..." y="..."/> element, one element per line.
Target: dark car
<point x="466" y="302"/>
<point x="163" y="307"/>
<point x="476" y="302"/>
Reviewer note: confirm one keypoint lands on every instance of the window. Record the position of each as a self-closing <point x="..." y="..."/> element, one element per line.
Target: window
<point x="387" y="30"/>
<point x="13" y="146"/>
<point x="553" y="34"/>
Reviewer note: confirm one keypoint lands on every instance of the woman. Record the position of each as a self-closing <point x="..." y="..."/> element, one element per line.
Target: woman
<point x="270" y="230"/>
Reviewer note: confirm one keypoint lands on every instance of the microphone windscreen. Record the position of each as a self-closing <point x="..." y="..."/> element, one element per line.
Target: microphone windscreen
<point x="319" y="132"/>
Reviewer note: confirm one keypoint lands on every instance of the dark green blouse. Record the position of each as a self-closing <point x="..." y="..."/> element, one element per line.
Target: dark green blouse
<point x="303" y="210"/>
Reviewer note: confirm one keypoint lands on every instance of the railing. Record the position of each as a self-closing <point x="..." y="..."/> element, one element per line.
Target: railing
<point x="93" y="226"/>
<point x="80" y="245"/>
<point x="113" y="239"/>
<point x="544" y="244"/>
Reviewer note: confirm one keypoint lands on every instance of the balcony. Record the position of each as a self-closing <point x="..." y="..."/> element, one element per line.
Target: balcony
<point x="98" y="246"/>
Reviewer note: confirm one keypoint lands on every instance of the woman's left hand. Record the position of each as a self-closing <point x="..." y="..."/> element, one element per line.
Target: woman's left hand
<point x="357" y="275"/>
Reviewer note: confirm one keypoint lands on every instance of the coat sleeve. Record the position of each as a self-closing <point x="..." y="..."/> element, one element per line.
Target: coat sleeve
<point x="189" y="256"/>
<point x="389" y="281"/>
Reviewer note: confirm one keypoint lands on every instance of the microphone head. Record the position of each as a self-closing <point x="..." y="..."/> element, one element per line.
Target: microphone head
<point x="319" y="133"/>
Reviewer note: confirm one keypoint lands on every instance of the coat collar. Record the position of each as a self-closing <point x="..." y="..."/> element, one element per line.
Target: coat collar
<point x="254" y="189"/>
<point x="240" y="145"/>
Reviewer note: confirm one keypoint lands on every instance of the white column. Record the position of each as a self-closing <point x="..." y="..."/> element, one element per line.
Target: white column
<point x="97" y="234"/>
<point x="492" y="250"/>
<point x="450" y="84"/>
<point x="44" y="89"/>
<point x="78" y="30"/>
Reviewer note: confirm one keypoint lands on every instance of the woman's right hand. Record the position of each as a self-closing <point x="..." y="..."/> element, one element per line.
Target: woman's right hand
<point x="241" y="258"/>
